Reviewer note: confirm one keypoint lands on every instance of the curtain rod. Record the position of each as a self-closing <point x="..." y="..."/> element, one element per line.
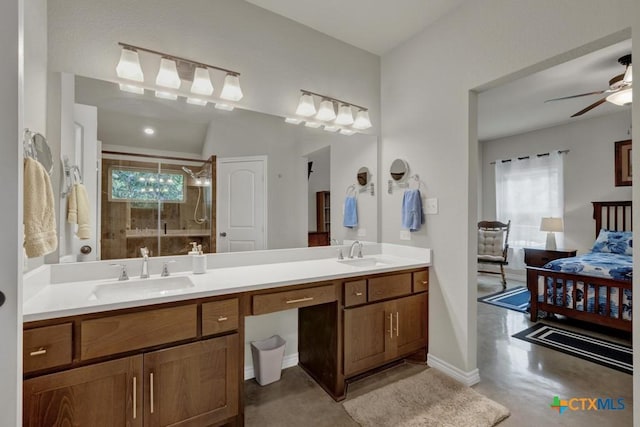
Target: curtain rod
<point x="526" y="157"/>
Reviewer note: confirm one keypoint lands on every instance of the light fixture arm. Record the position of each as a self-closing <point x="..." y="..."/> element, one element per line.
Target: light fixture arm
<point x="178" y="58"/>
<point x="308" y="92"/>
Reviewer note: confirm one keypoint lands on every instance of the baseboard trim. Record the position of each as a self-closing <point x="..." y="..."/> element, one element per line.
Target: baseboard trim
<point x="467" y="378"/>
<point x="287" y="362"/>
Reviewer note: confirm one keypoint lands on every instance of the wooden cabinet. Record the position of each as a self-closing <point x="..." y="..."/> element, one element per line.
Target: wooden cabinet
<point x="194" y="384"/>
<point x="378" y="333"/>
<point x="323" y="211"/>
<point x="106" y="394"/>
<point x="539" y="257"/>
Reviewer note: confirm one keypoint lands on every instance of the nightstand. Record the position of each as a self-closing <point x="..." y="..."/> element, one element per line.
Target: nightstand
<point x="539" y="257"/>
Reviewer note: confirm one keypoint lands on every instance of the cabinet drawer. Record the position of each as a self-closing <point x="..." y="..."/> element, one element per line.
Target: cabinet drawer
<point x="219" y="316"/>
<point x="47" y="347"/>
<point x="268" y="303"/>
<point x="117" y="334"/>
<point x="355" y="293"/>
<point x="389" y="286"/>
<point x="421" y="281"/>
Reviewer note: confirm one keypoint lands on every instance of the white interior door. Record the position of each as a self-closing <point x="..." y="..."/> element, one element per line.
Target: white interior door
<point x="241" y="204"/>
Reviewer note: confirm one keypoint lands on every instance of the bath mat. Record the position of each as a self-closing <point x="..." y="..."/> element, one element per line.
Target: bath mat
<point x="429" y="398"/>
<point x="603" y="352"/>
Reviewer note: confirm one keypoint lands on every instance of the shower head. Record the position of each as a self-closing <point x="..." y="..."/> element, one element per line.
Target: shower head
<point x="189" y="171"/>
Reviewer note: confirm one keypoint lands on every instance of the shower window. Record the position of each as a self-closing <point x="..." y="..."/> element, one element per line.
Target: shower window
<point x="146" y="185"/>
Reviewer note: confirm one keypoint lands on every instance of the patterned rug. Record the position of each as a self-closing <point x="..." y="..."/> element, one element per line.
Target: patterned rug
<point x="517" y="299"/>
<point x="607" y="353"/>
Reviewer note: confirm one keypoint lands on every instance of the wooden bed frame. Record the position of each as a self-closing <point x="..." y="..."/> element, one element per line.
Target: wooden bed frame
<point x="610" y="216"/>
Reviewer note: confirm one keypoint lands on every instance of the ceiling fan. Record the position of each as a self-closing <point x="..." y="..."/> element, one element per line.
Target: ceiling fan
<point x="619" y="92"/>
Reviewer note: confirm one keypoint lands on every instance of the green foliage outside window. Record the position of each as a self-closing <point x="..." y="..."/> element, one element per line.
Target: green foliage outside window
<point x="139" y="185"/>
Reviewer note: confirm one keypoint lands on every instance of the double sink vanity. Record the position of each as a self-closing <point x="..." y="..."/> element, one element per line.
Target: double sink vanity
<point x="170" y="350"/>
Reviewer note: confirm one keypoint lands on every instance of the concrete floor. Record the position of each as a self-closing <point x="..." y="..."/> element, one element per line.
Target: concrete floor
<point x="523" y="377"/>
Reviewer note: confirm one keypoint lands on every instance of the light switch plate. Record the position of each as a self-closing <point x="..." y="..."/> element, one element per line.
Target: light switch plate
<point x="405" y="235"/>
<point x="431" y="206"/>
<point x="362" y="232"/>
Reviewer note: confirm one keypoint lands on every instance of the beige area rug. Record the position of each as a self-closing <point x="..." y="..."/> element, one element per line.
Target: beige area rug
<point x="429" y="398"/>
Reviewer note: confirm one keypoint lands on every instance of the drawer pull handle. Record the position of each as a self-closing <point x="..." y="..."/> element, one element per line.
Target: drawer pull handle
<point x="151" y="390"/>
<point x="425" y="282"/>
<point x="391" y="325"/>
<point x="397" y="323"/>
<point x="293" y="301"/>
<point x="222" y="319"/>
<point x="358" y="294"/>
<point x="38" y="352"/>
<point x="135" y="397"/>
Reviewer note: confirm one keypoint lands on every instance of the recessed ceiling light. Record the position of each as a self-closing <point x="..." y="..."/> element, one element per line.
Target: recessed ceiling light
<point x="149" y="131"/>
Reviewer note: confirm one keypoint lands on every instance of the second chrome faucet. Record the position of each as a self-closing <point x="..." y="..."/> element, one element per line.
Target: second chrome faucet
<point x="144" y="274"/>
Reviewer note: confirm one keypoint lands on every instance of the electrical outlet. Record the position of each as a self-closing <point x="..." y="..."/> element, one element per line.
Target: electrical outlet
<point x="362" y="232"/>
<point x="431" y="206"/>
<point x="405" y="235"/>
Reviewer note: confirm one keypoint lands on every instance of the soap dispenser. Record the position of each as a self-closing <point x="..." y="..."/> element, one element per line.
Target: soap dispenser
<point x="194" y="248"/>
<point x="199" y="260"/>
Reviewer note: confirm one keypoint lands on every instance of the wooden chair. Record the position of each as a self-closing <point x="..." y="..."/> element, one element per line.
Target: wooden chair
<point x="493" y="245"/>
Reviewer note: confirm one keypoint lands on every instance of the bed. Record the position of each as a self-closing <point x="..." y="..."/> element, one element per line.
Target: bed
<point x="594" y="287"/>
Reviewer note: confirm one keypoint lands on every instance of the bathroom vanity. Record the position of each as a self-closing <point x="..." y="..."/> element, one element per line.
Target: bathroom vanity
<point x="176" y="358"/>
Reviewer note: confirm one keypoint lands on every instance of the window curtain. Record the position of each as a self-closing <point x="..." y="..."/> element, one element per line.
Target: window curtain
<point x="527" y="190"/>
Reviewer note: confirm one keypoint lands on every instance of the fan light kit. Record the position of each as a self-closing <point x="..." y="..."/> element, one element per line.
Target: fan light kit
<point x="343" y="122"/>
<point x="620" y="89"/>
<point x="172" y="71"/>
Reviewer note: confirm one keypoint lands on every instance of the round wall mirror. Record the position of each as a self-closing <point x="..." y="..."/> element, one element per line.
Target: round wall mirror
<point x="399" y="169"/>
<point x="363" y="176"/>
<point x="40" y="150"/>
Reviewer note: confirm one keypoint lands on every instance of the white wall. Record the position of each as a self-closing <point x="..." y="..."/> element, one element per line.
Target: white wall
<point x="275" y="56"/>
<point x="319" y="180"/>
<point x="427" y="110"/>
<point x="588" y="169"/>
<point x="11" y="124"/>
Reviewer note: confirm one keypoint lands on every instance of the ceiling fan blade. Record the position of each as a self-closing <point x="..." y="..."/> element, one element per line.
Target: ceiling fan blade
<point x="590" y="107"/>
<point x="578" y="96"/>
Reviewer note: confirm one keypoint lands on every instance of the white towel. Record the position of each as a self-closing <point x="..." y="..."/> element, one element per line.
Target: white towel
<point x="78" y="211"/>
<point x="39" y="216"/>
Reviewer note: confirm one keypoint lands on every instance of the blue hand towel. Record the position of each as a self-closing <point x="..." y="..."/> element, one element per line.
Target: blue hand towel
<point x="350" y="212"/>
<point x="412" y="216"/>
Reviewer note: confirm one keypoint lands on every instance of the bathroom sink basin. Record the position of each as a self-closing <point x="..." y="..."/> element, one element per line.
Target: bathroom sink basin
<point x="143" y="288"/>
<point x="363" y="262"/>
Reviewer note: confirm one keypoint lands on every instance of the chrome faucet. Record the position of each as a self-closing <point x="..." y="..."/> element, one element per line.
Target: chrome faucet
<point x="165" y="268"/>
<point x="123" y="271"/>
<point x="340" y="256"/>
<point x="145" y="263"/>
<point x="353" y="245"/>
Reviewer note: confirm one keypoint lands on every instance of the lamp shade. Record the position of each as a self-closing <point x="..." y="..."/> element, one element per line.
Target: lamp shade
<point x="362" y="120"/>
<point x="345" y="116"/>
<point x="231" y="90"/>
<point x="622" y="97"/>
<point x="201" y="82"/>
<point x="306" y="106"/>
<point x="551" y="224"/>
<point x="129" y="66"/>
<point x="168" y="74"/>
<point x="326" y="111"/>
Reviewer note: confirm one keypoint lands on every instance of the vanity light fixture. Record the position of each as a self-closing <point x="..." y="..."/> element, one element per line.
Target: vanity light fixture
<point x="313" y="125"/>
<point x="168" y="75"/>
<point x="225" y="107"/>
<point x="129" y="65"/>
<point x="196" y="101"/>
<point x="173" y="69"/>
<point x="326" y="111"/>
<point x="342" y="122"/>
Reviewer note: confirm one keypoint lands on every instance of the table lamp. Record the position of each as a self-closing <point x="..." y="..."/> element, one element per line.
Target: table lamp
<point x="551" y="225"/>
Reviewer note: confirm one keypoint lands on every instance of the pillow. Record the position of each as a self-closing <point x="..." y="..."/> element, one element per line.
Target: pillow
<point x="615" y="242"/>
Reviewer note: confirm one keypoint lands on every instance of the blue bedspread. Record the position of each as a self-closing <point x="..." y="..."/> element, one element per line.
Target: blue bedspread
<point x="615" y="266"/>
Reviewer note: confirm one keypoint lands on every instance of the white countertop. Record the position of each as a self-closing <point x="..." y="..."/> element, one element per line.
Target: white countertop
<point x="47" y="299"/>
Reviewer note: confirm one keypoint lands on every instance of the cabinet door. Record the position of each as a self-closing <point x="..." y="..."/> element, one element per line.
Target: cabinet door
<point x="194" y="384"/>
<point x="410" y="323"/>
<point x="367" y="337"/>
<point x="104" y="394"/>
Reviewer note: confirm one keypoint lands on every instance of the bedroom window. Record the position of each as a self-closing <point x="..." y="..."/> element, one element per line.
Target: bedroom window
<point x="528" y="189"/>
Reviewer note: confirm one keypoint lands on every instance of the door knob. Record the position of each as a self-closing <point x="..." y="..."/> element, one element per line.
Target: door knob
<point x="223" y="234"/>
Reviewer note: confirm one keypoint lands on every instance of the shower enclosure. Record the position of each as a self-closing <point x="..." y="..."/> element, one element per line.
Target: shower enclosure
<point x="161" y="203"/>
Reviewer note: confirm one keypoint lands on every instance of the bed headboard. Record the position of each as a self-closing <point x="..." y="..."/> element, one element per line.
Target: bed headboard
<point x="612" y="215"/>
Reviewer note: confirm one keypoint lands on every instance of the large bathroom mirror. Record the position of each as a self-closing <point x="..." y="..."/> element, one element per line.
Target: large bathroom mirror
<point x="171" y="173"/>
